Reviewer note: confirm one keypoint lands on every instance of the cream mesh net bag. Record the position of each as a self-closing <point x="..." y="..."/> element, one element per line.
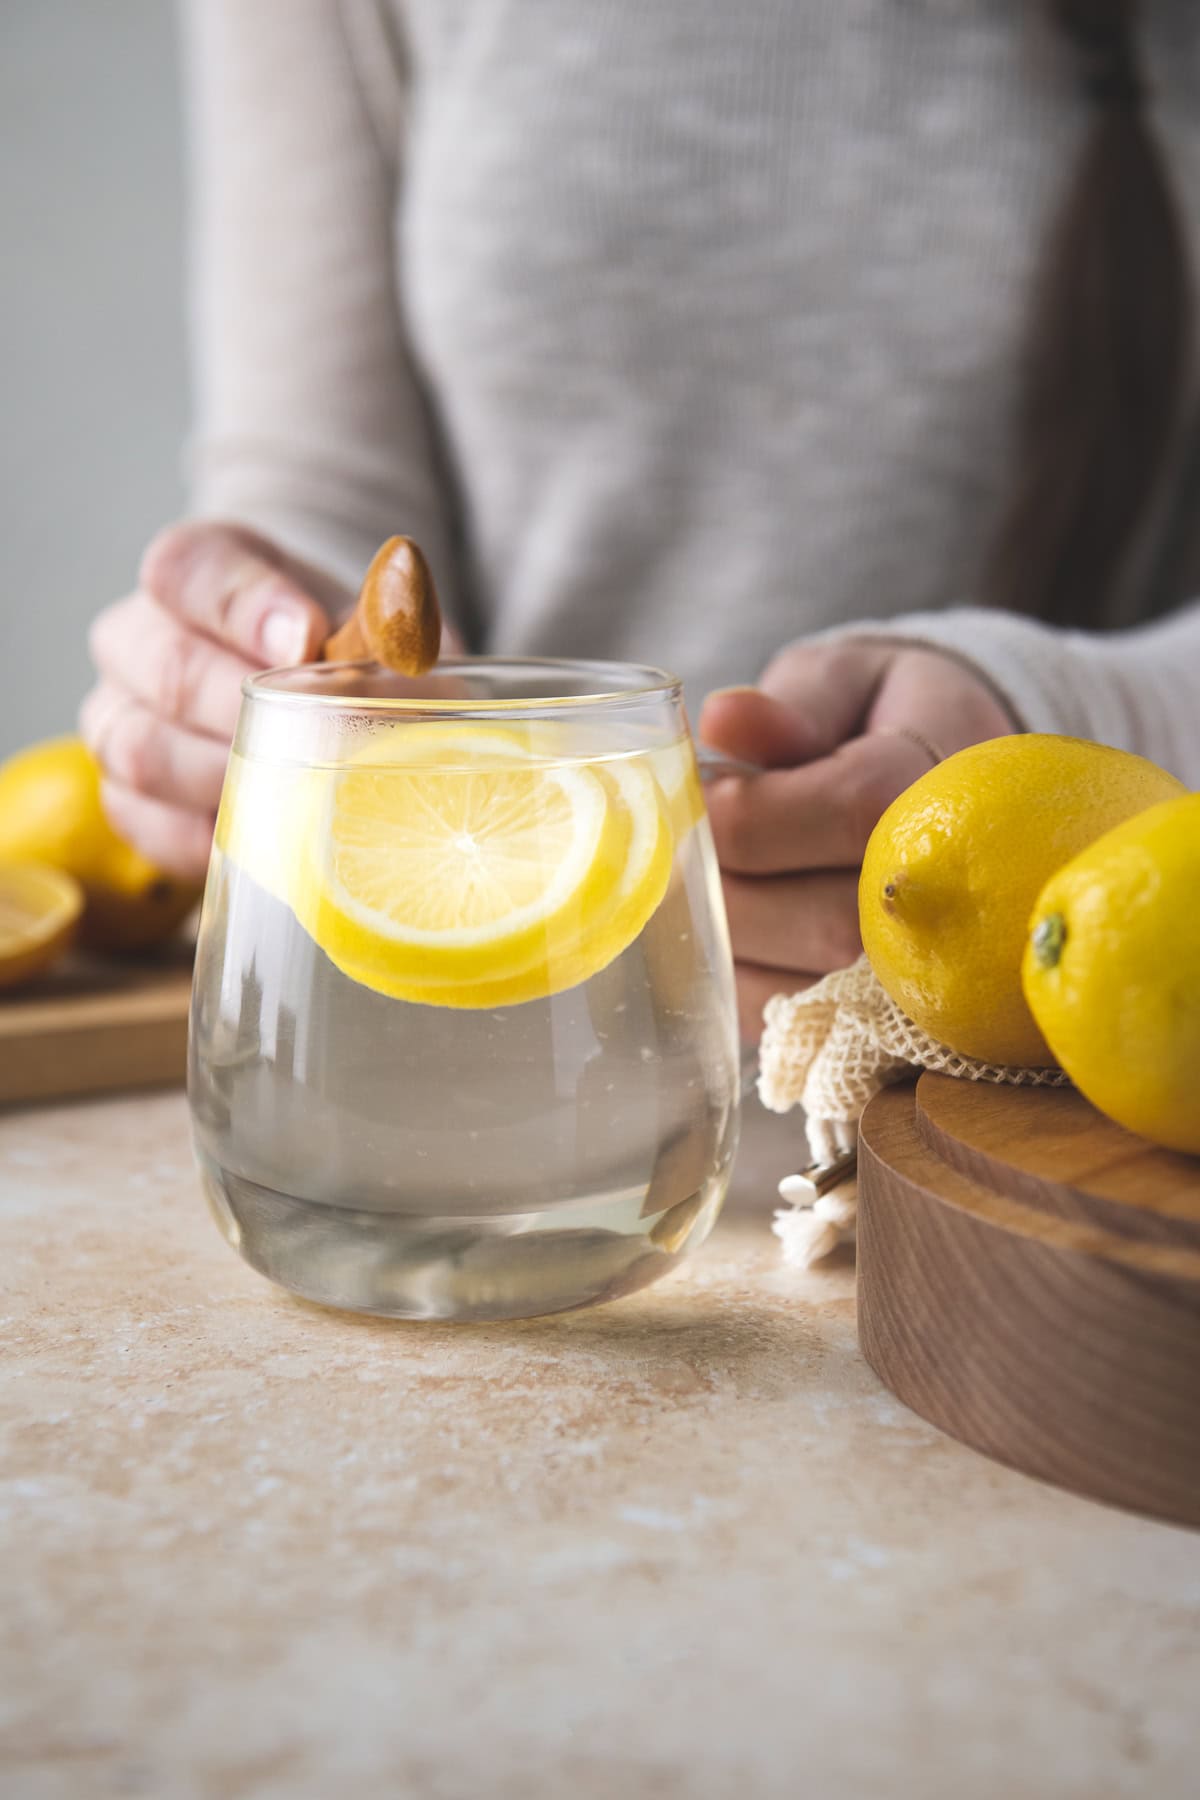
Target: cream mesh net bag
<point x="830" y="1050"/>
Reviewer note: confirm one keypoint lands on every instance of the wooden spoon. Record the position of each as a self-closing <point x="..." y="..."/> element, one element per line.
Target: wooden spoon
<point x="396" y="619"/>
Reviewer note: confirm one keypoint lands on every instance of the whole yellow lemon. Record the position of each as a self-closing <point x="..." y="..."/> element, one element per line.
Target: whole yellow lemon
<point x="1112" y="972"/>
<point x="50" y="812"/>
<point x="955" y="864"/>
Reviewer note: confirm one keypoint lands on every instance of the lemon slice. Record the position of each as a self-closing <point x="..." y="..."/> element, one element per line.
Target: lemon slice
<point x="457" y="865"/>
<point x="498" y="880"/>
<point x="40" y="908"/>
<point x="436" y="875"/>
<point x="610" y="915"/>
<point x="271" y="812"/>
<point x="266" y="817"/>
<point x="675" y="770"/>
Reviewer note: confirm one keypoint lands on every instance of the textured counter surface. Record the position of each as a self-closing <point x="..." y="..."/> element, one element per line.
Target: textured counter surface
<point x="681" y="1548"/>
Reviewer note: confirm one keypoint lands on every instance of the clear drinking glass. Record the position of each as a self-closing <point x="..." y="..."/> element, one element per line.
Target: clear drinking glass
<point x="463" y="1038"/>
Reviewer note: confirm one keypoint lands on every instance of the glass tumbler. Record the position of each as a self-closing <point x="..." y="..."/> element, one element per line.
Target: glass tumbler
<point x="463" y="1034"/>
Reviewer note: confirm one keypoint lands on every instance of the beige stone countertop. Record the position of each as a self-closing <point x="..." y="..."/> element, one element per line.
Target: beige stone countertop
<point x="684" y="1546"/>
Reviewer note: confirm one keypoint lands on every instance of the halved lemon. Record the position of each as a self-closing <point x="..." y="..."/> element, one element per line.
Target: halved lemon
<point x="40" y="909"/>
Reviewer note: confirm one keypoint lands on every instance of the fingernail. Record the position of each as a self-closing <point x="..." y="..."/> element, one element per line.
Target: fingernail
<point x="284" y="636"/>
<point x="744" y="688"/>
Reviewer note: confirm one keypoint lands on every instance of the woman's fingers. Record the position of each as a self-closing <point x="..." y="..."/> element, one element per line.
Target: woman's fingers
<point x="860" y="722"/>
<point x="807" y="922"/>
<point x="236" y="588"/>
<point x="829" y="686"/>
<point x="216" y="603"/>
<point x="755" y="986"/>
<point x="748" y="724"/>
<point x="818" y="816"/>
<point x="932" y="693"/>
<point x="176" y="839"/>
<point x="187" y="679"/>
<point x="811" y="699"/>
<point x="139" y="750"/>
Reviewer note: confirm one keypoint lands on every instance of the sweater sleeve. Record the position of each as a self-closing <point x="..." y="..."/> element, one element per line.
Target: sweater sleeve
<point x="311" y="423"/>
<point x="1138" y="690"/>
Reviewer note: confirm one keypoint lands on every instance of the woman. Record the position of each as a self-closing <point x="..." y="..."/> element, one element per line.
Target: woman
<point x="844" y="339"/>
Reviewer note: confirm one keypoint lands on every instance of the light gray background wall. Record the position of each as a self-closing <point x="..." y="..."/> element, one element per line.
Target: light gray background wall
<point x="93" y="401"/>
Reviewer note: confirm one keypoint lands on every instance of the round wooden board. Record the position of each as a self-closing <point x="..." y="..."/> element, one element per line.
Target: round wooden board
<point x="1029" y="1281"/>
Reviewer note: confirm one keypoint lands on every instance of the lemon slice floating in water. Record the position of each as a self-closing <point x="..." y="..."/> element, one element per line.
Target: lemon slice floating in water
<point x="471" y="874"/>
<point x="675" y="769"/>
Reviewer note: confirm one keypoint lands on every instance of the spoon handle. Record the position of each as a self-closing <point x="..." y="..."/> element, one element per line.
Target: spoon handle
<point x="715" y="765"/>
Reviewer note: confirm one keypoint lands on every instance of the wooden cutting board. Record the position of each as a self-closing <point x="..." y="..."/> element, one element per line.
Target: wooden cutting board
<point x="1029" y="1281"/>
<point x="94" y="1026"/>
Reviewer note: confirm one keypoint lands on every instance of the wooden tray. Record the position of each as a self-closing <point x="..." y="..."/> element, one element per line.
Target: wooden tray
<point x="96" y="1026"/>
<point x="1029" y="1281"/>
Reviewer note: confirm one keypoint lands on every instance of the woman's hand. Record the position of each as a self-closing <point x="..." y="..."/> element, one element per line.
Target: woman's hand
<point x="841" y="729"/>
<point x="213" y="603"/>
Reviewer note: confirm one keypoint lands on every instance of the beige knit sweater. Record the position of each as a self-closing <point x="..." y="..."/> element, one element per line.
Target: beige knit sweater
<point x="674" y="330"/>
